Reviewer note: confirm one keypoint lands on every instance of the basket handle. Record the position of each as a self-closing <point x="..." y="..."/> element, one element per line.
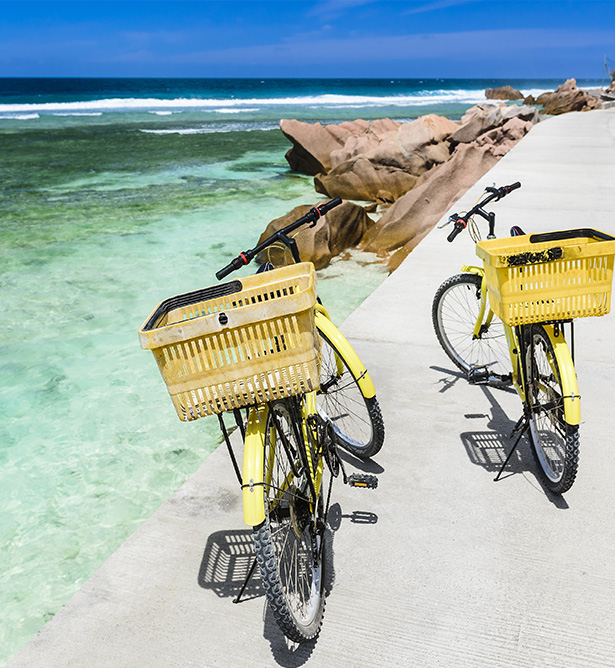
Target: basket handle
<point x="586" y="232"/>
<point x="179" y="301"/>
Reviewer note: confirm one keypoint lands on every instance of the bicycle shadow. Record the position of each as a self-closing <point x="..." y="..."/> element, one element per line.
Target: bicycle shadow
<point x="451" y="378"/>
<point x="293" y="655"/>
<point x="335" y="517"/>
<point x="365" y="465"/>
<point x="490" y="449"/>
<point x="455" y="375"/>
<point x="226" y="562"/>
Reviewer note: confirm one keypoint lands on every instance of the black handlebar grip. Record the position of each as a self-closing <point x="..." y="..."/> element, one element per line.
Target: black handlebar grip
<point x="327" y="206"/>
<point x="232" y="266"/>
<point x="508" y="189"/>
<point x="460" y="224"/>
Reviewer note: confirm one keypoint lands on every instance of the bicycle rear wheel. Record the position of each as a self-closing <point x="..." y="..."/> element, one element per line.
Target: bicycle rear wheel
<point x="357" y="420"/>
<point x="555" y="443"/>
<point x="455" y="309"/>
<point x="289" y="544"/>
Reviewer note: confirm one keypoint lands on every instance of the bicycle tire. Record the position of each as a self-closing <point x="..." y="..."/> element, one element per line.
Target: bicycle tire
<point x="555" y="442"/>
<point x="289" y="544"/>
<point x="357" y="420"/>
<point x="454" y="312"/>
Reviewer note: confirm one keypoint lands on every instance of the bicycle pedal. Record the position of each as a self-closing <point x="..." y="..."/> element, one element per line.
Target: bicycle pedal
<point x="363" y="480"/>
<point x="479" y="375"/>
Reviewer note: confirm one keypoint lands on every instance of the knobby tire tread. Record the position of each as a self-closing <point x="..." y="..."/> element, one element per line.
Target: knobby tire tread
<point x="271" y="554"/>
<point x="270" y="581"/>
<point x="374" y="413"/>
<point x="571" y="432"/>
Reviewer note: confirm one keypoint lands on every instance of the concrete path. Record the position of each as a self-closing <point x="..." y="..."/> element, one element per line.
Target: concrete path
<point x="438" y="567"/>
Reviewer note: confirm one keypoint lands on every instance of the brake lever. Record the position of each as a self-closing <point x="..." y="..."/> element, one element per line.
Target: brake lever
<point x="452" y="218"/>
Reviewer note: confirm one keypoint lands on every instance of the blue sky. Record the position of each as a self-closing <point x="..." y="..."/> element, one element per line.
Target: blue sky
<point x="296" y="38"/>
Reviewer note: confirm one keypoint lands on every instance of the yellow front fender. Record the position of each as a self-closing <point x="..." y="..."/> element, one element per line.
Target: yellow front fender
<point x="357" y="368"/>
<point x="470" y="269"/>
<point x="253" y="466"/>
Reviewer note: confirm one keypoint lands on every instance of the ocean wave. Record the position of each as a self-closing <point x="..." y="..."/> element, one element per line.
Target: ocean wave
<point x="78" y="113"/>
<point x="249" y="104"/>
<point x="212" y="129"/>
<point x="236" y="110"/>
<point x="19" y="117"/>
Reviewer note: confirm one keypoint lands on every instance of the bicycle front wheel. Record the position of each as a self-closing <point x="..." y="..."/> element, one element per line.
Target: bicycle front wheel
<point x="289" y="544"/>
<point x="357" y="420"/>
<point x="555" y="443"/>
<point x="455" y="310"/>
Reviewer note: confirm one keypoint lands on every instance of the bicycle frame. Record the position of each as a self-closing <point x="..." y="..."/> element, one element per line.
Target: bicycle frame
<point x="254" y="510"/>
<point x="253" y="472"/>
<point x="565" y="364"/>
<point x="254" y="445"/>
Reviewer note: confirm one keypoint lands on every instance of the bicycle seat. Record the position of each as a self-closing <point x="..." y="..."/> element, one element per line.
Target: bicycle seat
<point x="516" y="231"/>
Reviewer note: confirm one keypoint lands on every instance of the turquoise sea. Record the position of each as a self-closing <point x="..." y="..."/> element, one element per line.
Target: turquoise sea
<point x="115" y="194"/>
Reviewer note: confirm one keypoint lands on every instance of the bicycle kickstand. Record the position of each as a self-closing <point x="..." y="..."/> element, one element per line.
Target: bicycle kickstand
<point x="245" y="582"/>
<point x="520" y="428"/>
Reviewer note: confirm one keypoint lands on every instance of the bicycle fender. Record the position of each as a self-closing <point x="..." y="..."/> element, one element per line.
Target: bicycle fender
<point x="568" y="375"/>
<point x="357" y="368"/>
<point x="253" y="464"/>
<point x="469" y="269"/>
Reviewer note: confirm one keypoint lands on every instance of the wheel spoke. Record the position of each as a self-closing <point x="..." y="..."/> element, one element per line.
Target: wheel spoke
<point x="554" y="442"/>
<point x="455" y="311"/>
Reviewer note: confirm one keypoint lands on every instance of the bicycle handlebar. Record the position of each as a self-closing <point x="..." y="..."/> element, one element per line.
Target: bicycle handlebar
<point x="310" y="217"/>
<point x="461" y="222"/>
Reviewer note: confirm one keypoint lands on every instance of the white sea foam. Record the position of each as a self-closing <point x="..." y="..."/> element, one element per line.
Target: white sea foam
<point x="235" y="111"/>
<point x="20" y="117"/>
<point x="249" y="104"/>
<point x="211" y="129"/>
<point x="78" y="113"/>
<point x="179" y="131"/>
<point x="536" y="91"/>
<point x="162" y="113"/>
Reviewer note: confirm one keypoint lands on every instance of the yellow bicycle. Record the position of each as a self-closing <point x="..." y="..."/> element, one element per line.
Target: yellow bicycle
<point x="503" y="323"/>
<point x="264" y="348"/>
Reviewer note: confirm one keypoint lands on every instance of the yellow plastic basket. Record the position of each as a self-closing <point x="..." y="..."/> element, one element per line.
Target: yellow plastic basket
<point x="238" y="343"/>
<point x="552" y="276"/>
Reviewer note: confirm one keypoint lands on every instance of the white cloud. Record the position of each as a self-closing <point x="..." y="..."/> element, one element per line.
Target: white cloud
<point x="467" y="45"/>
<point x="334" y="8"/>
<point x="439" y="4"/>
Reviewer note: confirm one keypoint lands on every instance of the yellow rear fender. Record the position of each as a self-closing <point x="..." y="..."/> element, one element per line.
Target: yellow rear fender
<point x="568" y="376"/>
<point x="357" y="368"/>
<point x="253" y="466"/>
